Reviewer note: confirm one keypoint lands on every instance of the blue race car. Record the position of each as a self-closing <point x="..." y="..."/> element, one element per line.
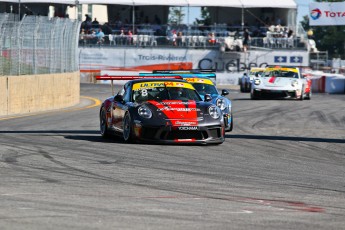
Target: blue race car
<point x="204" y="83"/>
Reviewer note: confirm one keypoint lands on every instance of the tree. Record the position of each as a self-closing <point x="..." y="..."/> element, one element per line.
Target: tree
<point x="176" y="15"/>
<point x="327" y="38"/>
<point x="205" y="15"/>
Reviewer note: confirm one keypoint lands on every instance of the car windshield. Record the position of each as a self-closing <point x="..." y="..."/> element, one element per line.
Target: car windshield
<point x="288" y="74"/>
<point x="205" y="88"/>
<point x="256" y="72"/>
<point x="161" y="91"/>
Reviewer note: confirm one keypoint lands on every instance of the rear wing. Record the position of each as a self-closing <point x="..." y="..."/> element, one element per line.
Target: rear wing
<point x="186" y="71"/>
<point x="113" y="78"/>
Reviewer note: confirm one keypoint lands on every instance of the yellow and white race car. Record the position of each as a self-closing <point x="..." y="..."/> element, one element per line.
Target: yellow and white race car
<point x="281" y="82"/>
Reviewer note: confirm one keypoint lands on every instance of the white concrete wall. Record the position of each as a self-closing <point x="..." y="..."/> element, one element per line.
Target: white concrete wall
<point x="35" y="93"/>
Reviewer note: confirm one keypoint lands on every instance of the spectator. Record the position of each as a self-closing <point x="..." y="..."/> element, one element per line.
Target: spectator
<point x="174" y="38"/>
<point x="246" y="38"/>
<point x="82" y="37"/>
<point x="179" y="38"/>
<point x="130" y="37"/>
<point x="95" y="23"/>
<point x="157" y="20"/>
<point x="122" y="37"/>
<point x="100" y="37"/>
<point x="211" y="39"/>
<point x="290" y="34"/>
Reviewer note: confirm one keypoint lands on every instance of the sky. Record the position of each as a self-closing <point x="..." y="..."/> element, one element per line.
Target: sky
<point x="302" y="10"/>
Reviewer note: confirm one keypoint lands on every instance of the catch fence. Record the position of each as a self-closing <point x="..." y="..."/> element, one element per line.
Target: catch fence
<point x="38" y="45"/>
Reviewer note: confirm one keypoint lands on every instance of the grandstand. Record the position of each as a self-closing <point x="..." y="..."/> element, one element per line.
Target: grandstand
<point x="143" y="35"/>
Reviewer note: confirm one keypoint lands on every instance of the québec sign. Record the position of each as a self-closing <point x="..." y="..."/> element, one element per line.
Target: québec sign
<point x="326" y="13"/>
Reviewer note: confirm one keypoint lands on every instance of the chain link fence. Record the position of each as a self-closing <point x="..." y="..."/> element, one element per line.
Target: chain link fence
<point x="38" y="45"/>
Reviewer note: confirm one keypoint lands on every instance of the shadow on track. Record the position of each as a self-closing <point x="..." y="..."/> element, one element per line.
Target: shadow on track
<point x="286" y="138"/>
<point x="83" y="135"/>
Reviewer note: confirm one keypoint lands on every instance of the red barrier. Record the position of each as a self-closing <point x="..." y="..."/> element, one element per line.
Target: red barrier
<point x="322" y="84"/>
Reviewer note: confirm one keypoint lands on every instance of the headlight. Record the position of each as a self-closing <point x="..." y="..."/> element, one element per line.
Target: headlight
<point x="221" y="103"/>
<point x="214" y="112"/>
<point x="257" y="81"/>
<point x="145" y="112"/>
<point x="294" y="83"/>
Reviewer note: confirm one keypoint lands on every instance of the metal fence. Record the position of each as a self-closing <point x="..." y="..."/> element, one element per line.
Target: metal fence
<point x="38" y="45"/>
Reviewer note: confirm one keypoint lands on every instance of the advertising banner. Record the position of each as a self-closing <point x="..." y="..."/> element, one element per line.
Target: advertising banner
<point x="327" y="14"/>
<point x="127" y="61"/>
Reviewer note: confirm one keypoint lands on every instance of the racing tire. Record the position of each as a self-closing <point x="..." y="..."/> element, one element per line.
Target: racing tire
<point x="127" y="129"/>
<point x="302" y="95"/>
<point x="308" y="97"/>
<point x="253" y="96"/>
<point x="232" y="123"/>
<point x="241" y="88"/>
<point x="247" y="88"/>
<point x="103" y="123"/>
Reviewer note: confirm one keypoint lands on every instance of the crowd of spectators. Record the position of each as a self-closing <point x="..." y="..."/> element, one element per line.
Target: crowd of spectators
<point x="125" y="33"/>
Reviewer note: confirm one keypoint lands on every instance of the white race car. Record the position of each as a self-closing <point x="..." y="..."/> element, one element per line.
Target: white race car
<point x="246" y="80"/>
<point x="281" y="82"/>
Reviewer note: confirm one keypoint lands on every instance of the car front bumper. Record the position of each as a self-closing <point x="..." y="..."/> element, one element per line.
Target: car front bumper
<point x="276" y="93"/>
<point x="210" y="134"/>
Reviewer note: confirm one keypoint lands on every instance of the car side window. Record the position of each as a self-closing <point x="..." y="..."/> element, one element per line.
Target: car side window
<point x="126" y="92"/>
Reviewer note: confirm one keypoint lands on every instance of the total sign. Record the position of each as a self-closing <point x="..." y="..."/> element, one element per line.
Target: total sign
<point x="326" y="13"/>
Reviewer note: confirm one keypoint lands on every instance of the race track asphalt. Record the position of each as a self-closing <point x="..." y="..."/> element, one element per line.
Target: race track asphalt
<point x="282" y="167"/>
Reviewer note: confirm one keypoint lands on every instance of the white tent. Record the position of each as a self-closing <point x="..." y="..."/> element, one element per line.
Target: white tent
<point x="221" y="9"/>
<point x="216" y="3"/>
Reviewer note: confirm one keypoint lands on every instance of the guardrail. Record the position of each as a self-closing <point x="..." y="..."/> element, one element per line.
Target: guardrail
<point x="192" y="41"/>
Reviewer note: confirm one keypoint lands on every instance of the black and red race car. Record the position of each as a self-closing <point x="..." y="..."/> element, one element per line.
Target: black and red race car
<point x="160" y="110"/>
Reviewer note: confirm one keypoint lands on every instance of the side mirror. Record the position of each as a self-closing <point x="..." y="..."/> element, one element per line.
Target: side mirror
<point x="207" y="97"/>
<point x="225" y="92"/>
<point x="118" y="98"/>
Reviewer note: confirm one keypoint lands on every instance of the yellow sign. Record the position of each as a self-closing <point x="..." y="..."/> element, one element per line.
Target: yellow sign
<point x="286" y="69"/>
<point x="199" y="80"/>
<point x="157" y="84"/>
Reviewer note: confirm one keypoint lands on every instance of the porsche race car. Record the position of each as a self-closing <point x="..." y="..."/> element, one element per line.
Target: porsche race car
<point x="281" y="82"/>
<point x="205" y="83"/>
<point x="160" y="110"/>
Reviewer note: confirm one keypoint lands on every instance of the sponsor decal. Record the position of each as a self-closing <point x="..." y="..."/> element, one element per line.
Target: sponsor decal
<point x="154" y="84"/>
<point x="159" y="57"/>
<point x="185" y="140"/>
<point x="177" y="102"/>
<point x="187" y="128"/>
<point x="185" y="123"/>
<point x="295" y="70"/>
<point x="315" y="14"/>
<point x="326" y="13"/>
<point x="272" y="79"/>
<point x="179" y="109"/>
<point x="199" y="80"/>
<point x="179" y="114"/>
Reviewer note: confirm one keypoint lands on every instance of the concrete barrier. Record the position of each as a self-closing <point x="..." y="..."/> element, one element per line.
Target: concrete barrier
<point x="335" y="84"/>
<point x="3" y="96"/>
<point x="328" y="83"/>
<point x="35" y="93"/>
